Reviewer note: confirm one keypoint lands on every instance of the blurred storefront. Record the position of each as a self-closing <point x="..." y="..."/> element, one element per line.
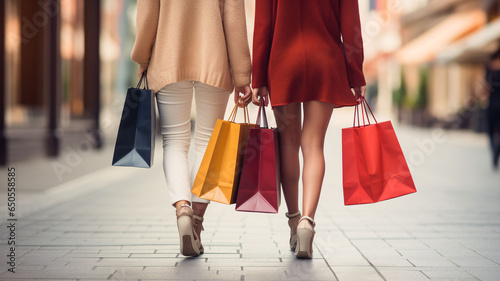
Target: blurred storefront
<point x="446" y="45"/>
<point x="65" y="63"/>
<point x="426" y="59"/>
<point x="381" y="22"/>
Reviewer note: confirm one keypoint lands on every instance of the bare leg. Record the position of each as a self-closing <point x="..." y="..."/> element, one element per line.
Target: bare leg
<point x="316" y="118"/>
<point x="288" y="119"/>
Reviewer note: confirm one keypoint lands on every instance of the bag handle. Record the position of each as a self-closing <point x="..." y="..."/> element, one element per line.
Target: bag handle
<point x="365" y="107"/>
<point x="261" y="116"/>
<point x="144" y="77"/>
<point x="232" y="116"/>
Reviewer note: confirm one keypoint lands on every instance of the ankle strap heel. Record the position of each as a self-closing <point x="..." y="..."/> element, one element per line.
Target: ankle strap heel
<point x="313" y="223"/>
<point x="184" y="210"/>
<point x="293" y="221"/>
<point x="198" y="220"/>
<point x="305" y="236"/>
<point x="290" y="216"/>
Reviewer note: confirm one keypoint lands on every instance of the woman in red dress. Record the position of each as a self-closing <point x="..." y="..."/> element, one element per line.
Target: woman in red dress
<point x="306" y="54"/>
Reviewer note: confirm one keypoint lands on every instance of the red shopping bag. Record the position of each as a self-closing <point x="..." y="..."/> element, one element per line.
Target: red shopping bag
<point x="373" y="165"/>
<point x="259" y="187"/>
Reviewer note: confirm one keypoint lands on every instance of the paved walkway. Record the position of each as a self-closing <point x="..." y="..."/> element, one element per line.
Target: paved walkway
<point x="117" y="224"/>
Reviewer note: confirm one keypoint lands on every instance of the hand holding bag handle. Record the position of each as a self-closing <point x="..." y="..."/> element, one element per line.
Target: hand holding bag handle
<point x="232" y="116"/>
<point x="364" y="112"/>
<point x="261" y="116"/>
<point x="144" y="77"/>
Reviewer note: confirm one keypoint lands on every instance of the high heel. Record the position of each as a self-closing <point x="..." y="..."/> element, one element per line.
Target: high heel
<point x="305" y="236"/>
<point x="293" y="221"/>
<point x="185" y="227"/>
<point x="198" y="225"/>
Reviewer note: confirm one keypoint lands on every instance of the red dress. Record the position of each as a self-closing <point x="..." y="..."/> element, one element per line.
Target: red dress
<point x="298" y="52"/>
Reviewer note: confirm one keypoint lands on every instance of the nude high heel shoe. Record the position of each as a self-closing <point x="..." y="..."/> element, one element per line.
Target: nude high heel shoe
<point x="197" y="229"/>
<point x="293" y="221"/>
<point x="305" y="236"/>
<point x="185" y="228"/>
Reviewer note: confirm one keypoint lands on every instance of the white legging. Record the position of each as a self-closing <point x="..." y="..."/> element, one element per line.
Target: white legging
<point x="174" y="106"/>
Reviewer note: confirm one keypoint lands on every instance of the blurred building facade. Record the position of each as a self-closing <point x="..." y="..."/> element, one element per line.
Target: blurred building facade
<point x="64" y="63"/>
<point x="428" y="59"/>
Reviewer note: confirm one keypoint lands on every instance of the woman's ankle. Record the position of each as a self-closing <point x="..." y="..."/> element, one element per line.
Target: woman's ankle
<point x="306" y="222"/>
<point x="199" y="208"/>
<point x="179" y="203"/>
<point x="292" y="214"/>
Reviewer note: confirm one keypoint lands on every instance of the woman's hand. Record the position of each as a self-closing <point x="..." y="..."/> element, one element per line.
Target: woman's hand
<point x="142" y="69"/>
<point x="359" y="92"/>
<point x="262" y="93"/>
<point x="247" y="95"/>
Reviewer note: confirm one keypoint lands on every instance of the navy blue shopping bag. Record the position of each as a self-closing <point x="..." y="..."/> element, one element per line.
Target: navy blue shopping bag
<point x="135" y="141"/>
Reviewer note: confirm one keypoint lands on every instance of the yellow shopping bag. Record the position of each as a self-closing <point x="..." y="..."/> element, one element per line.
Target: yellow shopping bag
<point x="219" y="173"/>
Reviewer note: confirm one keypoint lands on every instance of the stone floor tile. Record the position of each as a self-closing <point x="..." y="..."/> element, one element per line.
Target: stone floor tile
<point x="57" y="273"/>
<point x="123" y="262"/>
<point x="403" y="274"/>
<point x="356" y="273"/>
<point x="448" y="273"/>
<point x="225" y="268"/>
<point x="406" y="244"/>
<point x="485" y="274"/>
<point x="473" y="261"/>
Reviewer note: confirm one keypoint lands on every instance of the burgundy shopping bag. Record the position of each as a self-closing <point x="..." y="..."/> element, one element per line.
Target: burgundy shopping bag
<point x="373" y="165"/>
<point x="259" y="187"/>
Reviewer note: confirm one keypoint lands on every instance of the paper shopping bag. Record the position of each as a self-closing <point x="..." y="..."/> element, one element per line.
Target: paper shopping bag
<point x="373" y="165"/>
<point x="219" y="173"/>
<point x="135" y="141"/>
<point x="260" y="183"/>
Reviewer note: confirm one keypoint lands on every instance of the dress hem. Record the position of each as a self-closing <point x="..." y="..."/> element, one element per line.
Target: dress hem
<point x="302" y="101"/>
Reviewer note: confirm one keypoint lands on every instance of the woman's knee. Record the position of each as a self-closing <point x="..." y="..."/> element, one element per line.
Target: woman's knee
<point x="312" y="144"/>
<point x="289" y="142"/>
<point x="176" y="137"/>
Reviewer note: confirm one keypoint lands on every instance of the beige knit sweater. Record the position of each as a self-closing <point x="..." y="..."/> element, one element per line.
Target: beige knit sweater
<point x="198" y="40"/>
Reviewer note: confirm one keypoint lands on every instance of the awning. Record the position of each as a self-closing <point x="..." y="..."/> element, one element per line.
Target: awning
<point x="426" y="47"/>
<point x="475" y="47"/>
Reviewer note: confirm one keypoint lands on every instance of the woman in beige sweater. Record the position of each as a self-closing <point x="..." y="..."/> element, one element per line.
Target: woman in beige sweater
<point x="191" y="46"/>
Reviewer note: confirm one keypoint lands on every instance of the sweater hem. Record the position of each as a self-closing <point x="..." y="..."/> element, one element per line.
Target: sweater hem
<point x="159" y="80"/>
